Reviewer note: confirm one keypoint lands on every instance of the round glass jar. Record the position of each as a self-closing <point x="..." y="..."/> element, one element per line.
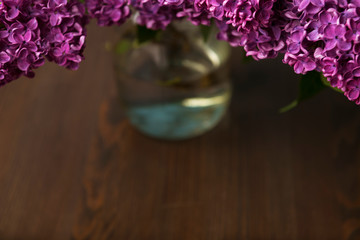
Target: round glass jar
<point x="176" y="85"/>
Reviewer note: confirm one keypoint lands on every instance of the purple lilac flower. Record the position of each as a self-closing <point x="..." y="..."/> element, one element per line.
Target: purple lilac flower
<point x="255" y="25"/>
<point x="328" y="43"/>
<point x="321" y="35"/>
<point x="156" y="14"/>
<point x="153" y="14"/>
<point x="108" y="12"/>
<point x="31" y="31"/>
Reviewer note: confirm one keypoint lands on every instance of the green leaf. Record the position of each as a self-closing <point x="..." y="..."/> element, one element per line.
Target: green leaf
<point x="292" y="105"/>
<point x="310" y="85"/>
<point x="205" y="32"/>
<point x="327" y="83"/>
<point x="123" y="46"/>
<point x="247" y="59"/>
<point x="144" y="34"/>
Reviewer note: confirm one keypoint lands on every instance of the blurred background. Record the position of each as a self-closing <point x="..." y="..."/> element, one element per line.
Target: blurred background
<point x="72" y="167"/>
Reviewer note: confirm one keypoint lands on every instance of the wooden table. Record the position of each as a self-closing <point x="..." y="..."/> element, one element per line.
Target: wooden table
<point x="71" y="166"/>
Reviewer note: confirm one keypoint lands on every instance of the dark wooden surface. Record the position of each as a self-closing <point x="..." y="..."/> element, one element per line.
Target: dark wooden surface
<point x="71" y="166"/>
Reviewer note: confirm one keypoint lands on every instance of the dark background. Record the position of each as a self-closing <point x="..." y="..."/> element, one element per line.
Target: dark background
<point x="71" y="166"/>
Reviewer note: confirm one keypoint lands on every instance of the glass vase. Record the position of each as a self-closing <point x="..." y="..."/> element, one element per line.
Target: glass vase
<point x="176" y="85"/>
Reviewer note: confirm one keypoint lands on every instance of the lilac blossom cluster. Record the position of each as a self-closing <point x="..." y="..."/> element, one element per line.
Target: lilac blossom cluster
<point x="312" y="35"/>
<point x="154" y="14"/>
<point x="32" y="31"/>
<point x="108" y="12"/>
<point x="157" y="15"/>
<point x="324" y="35"/>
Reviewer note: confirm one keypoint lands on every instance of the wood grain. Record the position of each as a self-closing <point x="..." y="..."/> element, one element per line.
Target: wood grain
<point x="72" y="167"/>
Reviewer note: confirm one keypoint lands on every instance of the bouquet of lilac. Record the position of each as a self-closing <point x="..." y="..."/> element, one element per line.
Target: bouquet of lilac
<point x="312" y="35"/>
